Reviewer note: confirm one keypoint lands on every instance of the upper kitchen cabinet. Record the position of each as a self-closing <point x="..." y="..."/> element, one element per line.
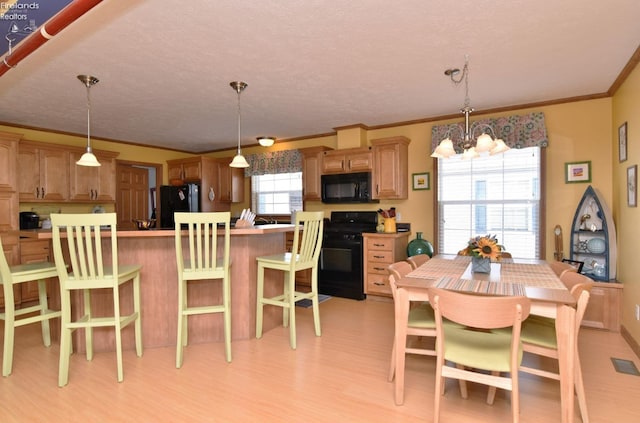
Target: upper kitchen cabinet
<point x="43" y="172"/>
<point x="593" y="237"/>
<point x="93" y="184"/>
<point x="231" y="181"/>
<point x="311" y="171"/>
<point x="188" y="170"/>
<point x="8" y="154"/>
<point x="347" y="160"/>
<point x="391" y="168"/>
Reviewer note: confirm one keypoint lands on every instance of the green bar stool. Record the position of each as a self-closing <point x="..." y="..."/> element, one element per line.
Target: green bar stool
<point x="206" y="257"/>
<point x="14" y="275"/>
<point x="307" y="241"/>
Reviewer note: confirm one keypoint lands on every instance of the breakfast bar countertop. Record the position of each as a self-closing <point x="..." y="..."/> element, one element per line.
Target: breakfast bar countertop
<point x="134" y="233"/>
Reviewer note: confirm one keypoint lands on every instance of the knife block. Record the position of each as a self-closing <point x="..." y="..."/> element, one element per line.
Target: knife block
<point x="241" y="223"/>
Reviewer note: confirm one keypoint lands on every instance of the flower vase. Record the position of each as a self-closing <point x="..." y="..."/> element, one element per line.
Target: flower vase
<point x="480" y="265"/>
<point x="419" y="246"/>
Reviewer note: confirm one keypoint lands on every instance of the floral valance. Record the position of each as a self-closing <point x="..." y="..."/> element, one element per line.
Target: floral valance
<point x="285" y="161"/>
<point x="517" y="131"/>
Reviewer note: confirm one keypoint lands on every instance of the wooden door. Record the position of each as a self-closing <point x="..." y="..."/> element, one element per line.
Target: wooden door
<point x="132" y="195"/>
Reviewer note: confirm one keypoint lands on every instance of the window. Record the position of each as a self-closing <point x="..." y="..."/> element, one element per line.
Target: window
<point x="491" y="195"/>
<point x="279" y="193"/>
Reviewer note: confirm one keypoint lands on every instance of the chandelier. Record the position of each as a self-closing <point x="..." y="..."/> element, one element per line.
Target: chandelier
<point x="88" y="158"/>
<point x="471" y="146"/>
<point x="239" y="160"/>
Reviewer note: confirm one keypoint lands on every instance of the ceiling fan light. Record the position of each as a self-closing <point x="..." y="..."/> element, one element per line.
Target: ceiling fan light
<point x="266" y="141"/>
<point x="239" y="161"/>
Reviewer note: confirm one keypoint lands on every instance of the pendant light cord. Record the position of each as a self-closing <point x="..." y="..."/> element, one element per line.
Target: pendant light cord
<point x="88" y="119"/>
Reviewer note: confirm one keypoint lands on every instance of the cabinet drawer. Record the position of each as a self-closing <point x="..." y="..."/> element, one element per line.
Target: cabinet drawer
<point x="379" y="243"/>
<point x="385" y="257"/>
<point x="378" y="268"/>
<point x="378" y="284"/>
<point x="34" y="248"/>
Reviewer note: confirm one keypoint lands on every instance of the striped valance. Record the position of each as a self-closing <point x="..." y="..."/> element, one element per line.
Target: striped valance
<point x="285" y="161"/>
<point x="517" y="131"/>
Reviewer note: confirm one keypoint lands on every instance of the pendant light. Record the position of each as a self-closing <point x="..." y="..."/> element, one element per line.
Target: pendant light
<point x="88" y="159"/>
<point x="239" y="160"/>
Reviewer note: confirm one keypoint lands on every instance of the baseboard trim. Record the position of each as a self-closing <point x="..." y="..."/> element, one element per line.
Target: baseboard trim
<point x="632" y="342"/>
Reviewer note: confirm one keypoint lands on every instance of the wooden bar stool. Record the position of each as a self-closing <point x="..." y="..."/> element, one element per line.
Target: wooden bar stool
<point x="14" y="275"/>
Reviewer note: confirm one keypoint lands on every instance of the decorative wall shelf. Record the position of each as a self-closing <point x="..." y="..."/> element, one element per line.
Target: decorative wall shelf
<point x="593" y="237"/>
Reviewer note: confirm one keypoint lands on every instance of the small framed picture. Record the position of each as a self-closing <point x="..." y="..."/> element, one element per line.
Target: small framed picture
<point x="632" y="186"/>
<point x="576" y="172"/>
<point x="622" y="142"/>
<point x="421" y="181"/>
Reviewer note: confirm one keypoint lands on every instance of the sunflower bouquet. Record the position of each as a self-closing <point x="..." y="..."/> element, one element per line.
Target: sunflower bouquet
<point x="483" y="246"/>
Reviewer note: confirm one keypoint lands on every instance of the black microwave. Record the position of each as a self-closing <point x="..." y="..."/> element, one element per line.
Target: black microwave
<point x="347" y="188"/>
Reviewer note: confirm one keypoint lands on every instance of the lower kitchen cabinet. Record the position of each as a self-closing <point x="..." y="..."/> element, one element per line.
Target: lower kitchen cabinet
<point x="381" y="250"/>
<point x="32" y="251"/>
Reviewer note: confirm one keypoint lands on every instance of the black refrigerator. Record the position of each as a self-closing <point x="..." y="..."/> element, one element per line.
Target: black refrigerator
<point x="183" y="198"/>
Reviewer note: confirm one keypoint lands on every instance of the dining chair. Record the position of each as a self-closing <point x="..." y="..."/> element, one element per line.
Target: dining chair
<point x="560" y="267"/>
<point x="418" y="260"/>
<point x="475" y="346"/>
<point x="202" y="255"/>
<point x="421" y="322"/>
<point x="539" y="337"/>
<point x="307" y="242"/>
<point x="505" y="254"/>
<point x="87" y="245"/>
<point x="10" y="277"/>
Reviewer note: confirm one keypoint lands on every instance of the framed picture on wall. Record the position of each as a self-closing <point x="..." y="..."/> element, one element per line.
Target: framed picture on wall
<point x="632" y="186"/>
<point x="576" y="172"/>
<point x="421" y="181"/>
<point x="622" y="142"/>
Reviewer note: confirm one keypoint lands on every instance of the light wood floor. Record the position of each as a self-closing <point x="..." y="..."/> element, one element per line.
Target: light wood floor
<point x="339" y="377"/>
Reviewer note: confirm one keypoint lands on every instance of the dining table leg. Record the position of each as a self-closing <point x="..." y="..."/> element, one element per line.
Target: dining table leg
<point x="566" y="338"/>
<point x="400" y="338"/>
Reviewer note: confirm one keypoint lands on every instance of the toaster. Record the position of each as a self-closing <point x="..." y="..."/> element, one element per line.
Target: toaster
<point x="29" y="220"/>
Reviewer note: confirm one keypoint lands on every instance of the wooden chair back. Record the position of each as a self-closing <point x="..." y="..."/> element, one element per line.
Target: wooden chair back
<point x="307" y="239"/>
<point x="397" y="271"/>
<point x="418" y="260"/>
<point x="560" y="267"/>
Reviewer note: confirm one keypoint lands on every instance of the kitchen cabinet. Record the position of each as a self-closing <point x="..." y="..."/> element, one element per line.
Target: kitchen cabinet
<point x="189" y="169"/>
<point x="8" y="182"/>
<point x="43" y="172"/>
<point x="390" y="176"/>
<point x="32" y="251"/>
<point x="214" y="175"/>
<point x="347" y="160"/>
<point x="93" y="184"/>
<point x="381" y="250"/>
<point x="10" y="247"/>
<point x="311" y="170"/>
<point x="231" y="182"/>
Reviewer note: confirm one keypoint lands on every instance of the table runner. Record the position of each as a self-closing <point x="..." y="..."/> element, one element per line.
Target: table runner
<point x="513" y="277"/>
<point x="481" y="287"/>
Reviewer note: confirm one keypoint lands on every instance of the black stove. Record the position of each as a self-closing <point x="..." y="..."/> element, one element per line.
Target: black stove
<point x="340" y="269"/>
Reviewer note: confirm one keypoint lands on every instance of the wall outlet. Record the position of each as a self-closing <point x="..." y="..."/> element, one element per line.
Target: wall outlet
<point x="637" y="311"/>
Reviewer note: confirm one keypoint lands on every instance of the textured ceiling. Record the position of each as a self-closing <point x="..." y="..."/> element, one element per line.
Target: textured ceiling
<point x="311" y="65"/>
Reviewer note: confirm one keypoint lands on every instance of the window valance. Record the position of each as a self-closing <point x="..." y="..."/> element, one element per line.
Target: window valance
<point x="285" y="161"/>
<point x="517" y="131"/>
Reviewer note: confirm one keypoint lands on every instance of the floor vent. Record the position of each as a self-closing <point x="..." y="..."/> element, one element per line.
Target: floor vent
<point x="625" y="366"/>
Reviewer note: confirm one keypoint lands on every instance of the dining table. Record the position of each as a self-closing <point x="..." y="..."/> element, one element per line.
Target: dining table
<point x="527" y="277"/>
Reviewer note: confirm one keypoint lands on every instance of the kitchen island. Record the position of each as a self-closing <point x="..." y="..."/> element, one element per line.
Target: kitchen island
<point x="155" y="251"/>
